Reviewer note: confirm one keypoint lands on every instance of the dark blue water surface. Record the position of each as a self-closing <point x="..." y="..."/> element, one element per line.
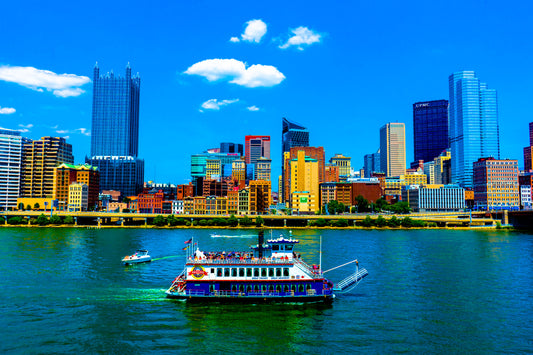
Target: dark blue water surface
<point x="429" y="291"/>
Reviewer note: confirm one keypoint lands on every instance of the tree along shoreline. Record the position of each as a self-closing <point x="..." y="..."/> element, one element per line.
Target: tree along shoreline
<point x="232" y="222"/>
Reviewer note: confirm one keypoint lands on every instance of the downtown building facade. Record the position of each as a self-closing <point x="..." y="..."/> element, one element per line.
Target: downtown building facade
<point x="392" y="149"/>
<point x="115" y="132"/>
<point x="430" y="129"/>
<point x="292" y="135"/>
<point x="10" y="167"/>
<point x="474" y="128"/>
<point x="434" y="198"/>
<point x="372" y="164"/>
<point x="528" y="150"/>
<point x="496" y="185"/>
<point x="65" y="175"/>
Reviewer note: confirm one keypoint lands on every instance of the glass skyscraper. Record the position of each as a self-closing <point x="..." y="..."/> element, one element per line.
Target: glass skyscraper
<point x="430" y="128"/>
<point x="474" y="129"/>
<point x="292" y="135"/>
<point x="115" y="132"/>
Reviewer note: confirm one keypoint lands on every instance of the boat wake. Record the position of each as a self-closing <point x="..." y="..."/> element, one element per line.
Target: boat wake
<point x="233" y="236"/>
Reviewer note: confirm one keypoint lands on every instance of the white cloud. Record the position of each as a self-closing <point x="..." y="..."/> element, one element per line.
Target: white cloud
<point x="26" y="126"/>
<point x="254" y="76"/>
<point x="234" y="39"/>
<point x="302" y="36"/>
<point x="255" y="30"/>
<point x="83" y="131"/>
<point x="61" y="85"/>
<point x="66" y="137"/>
<point x="214" y="104"/>
<point x="253" y="108"/>
<point x="62" y="131"/>
<point x="7" y="110"/>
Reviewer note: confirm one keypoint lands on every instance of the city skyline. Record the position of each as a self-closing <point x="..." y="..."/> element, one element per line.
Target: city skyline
<point x="331" y="76"/>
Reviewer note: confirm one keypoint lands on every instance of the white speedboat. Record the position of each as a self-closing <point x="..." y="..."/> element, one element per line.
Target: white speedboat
<point x="140" y="256"/>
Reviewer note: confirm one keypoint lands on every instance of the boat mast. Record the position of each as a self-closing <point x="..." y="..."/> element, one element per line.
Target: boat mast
<point x="320" y="260"/>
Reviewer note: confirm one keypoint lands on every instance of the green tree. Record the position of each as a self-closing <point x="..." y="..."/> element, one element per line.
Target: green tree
<point x="393" y="222"/>
<point x="160" y="221"/>
<point x="233" y="221"/>
<point x="68" y="220"/>
<point x="362" y="204"/>
<point x="55" y="219"/>
<point x="36" y="206"/>
<point x="245" y="221"/>
<point x="335" y="207"/>
<point x="381" y="204"/>
<point x="21" y="206"/>
<point x="341" y="223"/>
<point x="172" y="220"/>
<point x="28" y="207"/>
<point x="202" y="223"/>
<point x="15" y="220"/>
<point x="381" y="222"/>
<point x="400" y="207"/>
<point x="367" y="222"/>
<point x="42" y="220"/>
<point x="259" y="221"/>
<point x="407" y="222"/>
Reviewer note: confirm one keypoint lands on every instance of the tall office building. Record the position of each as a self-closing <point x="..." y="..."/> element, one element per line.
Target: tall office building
<point x="392" y="149"/>
<point x="39" y="160"/>
<point x="528" y="150"/>
<point x="316" y="153"/>
<point x="292" y="135"/>
<point x="262" y="169"/>
<point x="115" y="132"/>
<point x="231" y="148"/>
<point x="10" y="164"/>
<point x="430" y="128"/>
<point x="372" y="164"/>
<point x="256" y="147"/>
<point x="474" y="128"/>
<point x="304" y="184"/>
<point x="344" y="164"/>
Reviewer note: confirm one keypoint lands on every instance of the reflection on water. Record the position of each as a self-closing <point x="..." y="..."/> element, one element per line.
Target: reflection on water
<point x="65" y="290"/>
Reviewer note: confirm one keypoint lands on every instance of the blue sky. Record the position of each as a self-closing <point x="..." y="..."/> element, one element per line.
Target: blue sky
<point x="350" y="67"/>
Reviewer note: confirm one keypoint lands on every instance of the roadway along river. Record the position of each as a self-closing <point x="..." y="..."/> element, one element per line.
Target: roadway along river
<point x="64" y="290"/>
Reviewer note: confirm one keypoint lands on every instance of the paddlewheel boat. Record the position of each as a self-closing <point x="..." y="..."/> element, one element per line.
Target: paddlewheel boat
<point x="270" y="272"/>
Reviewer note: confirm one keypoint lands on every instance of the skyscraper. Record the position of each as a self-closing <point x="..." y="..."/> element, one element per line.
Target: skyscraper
<point x="10" y="162"/>
<point x="292" y="135"/>
<point x="528" y="150"/>
<point x="474" y="128"/>
<point x="115" y="132"/>
<point x="430" y="128"/>
<point x="231" y="148"/>
<point x="392" y="149"/>
<point x="256" y="147"/>
<point x="372" y="163"/>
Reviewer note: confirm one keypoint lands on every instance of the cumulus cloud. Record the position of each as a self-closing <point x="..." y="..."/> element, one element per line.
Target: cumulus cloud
<point x="254" y="31"/>
<point x="7" y="110"/>
<point x="302" y="36"/>
<point x="83" y="131"/>
<point x="62" y="131"/>
<point x="237" y="73"/>
<point x="26" y="126"/>
<point x="214" y="104"/>
<point x="61" y="85"/>
<point x="234" y="39"/>
<point x="253" y="108"/>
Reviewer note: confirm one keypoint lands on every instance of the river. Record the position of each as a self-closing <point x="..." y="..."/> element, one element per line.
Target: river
<point x="64" y="290"/>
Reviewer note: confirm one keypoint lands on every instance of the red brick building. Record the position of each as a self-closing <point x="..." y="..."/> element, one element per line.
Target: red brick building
<point x="150" y="202"/>
<point x="369" y="190"/>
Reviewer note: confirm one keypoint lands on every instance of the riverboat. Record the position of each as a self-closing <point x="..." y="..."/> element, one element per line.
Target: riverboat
<point x="270" y="272"/>
<point x="140" y="256"/>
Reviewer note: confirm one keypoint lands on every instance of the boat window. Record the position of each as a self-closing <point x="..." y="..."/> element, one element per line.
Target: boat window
<point x="241" y="287"/>
<point x="212" y="270"/>
<point x="234" y="272"/>
<point x="211" y="288"/>
<point x="248" y="288"/>
<point x="301" y="288"/>
<point x="278" y="272"/>
<point x="275" y="247"/>
<point x="308" y="286"/>
<point x="286" y="271"/>
<point x="263" y="288"/>
<point x="219" y="272"/>
<point x="256" y="272"/>
<point x="226" y="272"/>
<point x="285" y="288"/>
<point x="263" y="272"/>
<point x="241" y="272"/>
<point x="293" y="288"/>
<point x="249" y="272"/>
<point x="233" y="288"/>
<point x="278" y="288"/>
<point x="288" y="247"/>
<point x="271" y="272"/>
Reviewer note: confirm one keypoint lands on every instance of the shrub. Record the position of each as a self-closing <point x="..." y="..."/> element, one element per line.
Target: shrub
<point x="233" y="221"/>
<point x="259" y="221"/>
<point x="68" y="220"/>
<point x="367" y="222"/>
<point x="202" y="223"/>
<point x="381" y="222"/>
<point x="393" y="222"/>
<point x="172" y="220"/>
<point x="55" y="219"/>
<point x="419" y="223"/>
<point x="407" y="222"/>
<point x="341" y="223"/>
<point x="159" y="221"/>
<point x="42" y="220"/>
<point x="245" y="221"/>
<point x="432" y="224"/>
<point x="15" y="220"/>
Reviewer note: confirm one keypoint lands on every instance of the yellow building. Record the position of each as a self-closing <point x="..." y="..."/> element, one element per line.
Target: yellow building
<point x="392" y="149"/>
<point x="188" y="205"/>
<point x="32" y="202"/>
<point x="199" y="205"/>
<point x="216" y="205"/>
<point x="417" y="178"/>
<point x="393" y="185"/>
<point x="213" y="169"/>
<point x="77" y="197"/>
<point x="304" y="179"/>
<point x="439" y="166"/>
<point x="262" y="169"/>
<point x="238" y="169"/>
<point x="302" y="202"/>
<point x="39" y="158"/>
<point x="65" y="174"/>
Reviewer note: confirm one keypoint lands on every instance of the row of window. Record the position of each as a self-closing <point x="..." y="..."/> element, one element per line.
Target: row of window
<point x="267" y="288"/>
<point x="250" y="272"/>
